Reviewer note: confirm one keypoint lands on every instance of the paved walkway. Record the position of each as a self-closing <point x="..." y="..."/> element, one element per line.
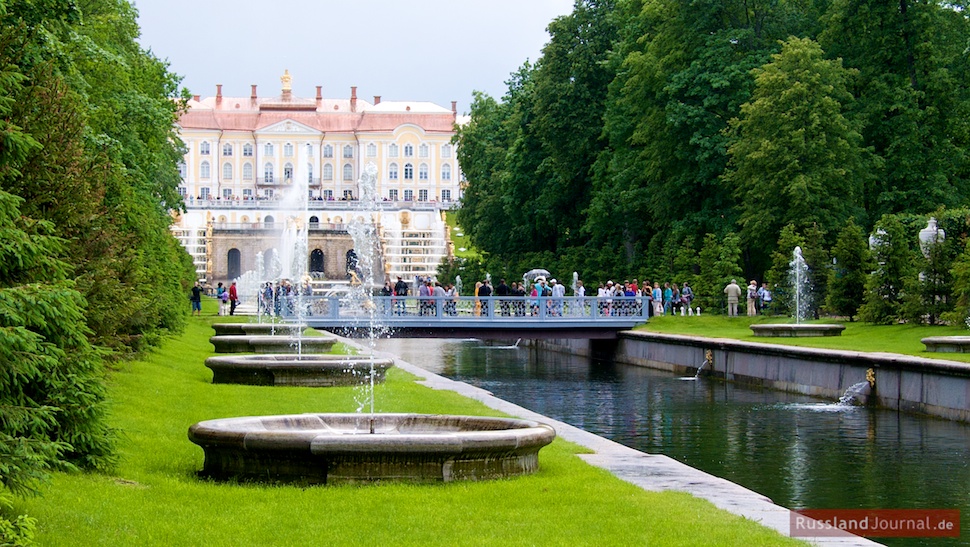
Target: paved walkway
<point x="648" y="471"/>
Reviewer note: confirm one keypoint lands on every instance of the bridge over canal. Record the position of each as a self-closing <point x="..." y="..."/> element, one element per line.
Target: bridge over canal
<point x="469" y="316"/>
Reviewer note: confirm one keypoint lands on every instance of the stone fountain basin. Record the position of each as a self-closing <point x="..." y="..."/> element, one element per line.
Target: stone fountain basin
<point x="253" y="329"/>
<point x="233" y="343"/>
<point x="797" y="330"/>
<point x="295" y="370"/>
<point x="340" y="448"/>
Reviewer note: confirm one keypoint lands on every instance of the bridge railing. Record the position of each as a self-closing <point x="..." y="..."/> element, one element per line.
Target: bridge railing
<point x="397" y="309"/>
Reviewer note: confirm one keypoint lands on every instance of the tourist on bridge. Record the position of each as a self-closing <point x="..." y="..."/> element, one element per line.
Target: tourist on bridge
<point x="400" y="290"/>
<point x="503" y="290"/>
<point x="558" y="294"/>
<point x="485" y="291"/>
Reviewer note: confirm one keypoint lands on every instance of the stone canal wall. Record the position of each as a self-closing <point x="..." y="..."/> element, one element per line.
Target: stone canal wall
<point x="910" y="384"/>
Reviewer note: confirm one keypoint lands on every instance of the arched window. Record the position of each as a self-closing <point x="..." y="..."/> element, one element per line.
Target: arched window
<point x="268" y="149"/>
<point x="268" y="172"/>
<point x="204" y="148"/>
<point x="446" y="172"/>
<point x="392" y="151"/>
<point x="248" y="150"/>
<point x="408" y="151"/>
<point x="327" y="172"/>
<point x="327" y="151"/>
<point x="408" y="171"/>
<point x="227" y="171"/>
<point x="392" y="171"/>
<point x="288" y="150"/>
<point x="371" y="150"/>
<point x="348" y="171"/>
<point x="423" y="171"/>
<point x="232" y="260"/>
<point x="247" y="171"/>
<point x="348" y="151"/>
<point x="309" y="150"/>
<point x="227" y="149"/>
<point x="445" y="150"/>
<point x="204" y="170"/>
<point x="423" y="151"/>
<point x="288" y="172"/>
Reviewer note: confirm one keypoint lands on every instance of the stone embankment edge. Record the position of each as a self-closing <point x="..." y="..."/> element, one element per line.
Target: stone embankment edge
<point x="652" y="472"/>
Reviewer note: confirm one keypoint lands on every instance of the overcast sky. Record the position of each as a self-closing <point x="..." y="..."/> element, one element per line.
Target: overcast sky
<point x="419" y="50"/>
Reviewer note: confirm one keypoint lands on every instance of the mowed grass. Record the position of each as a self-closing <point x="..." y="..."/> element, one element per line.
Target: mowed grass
<point x="154" y="497"/>
<point x="857" y="336"/>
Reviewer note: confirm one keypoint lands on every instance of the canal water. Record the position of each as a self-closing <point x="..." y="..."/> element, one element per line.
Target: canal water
<point x="800" y="451"/>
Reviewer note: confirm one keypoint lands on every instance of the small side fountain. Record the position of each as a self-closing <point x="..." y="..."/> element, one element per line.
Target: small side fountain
<point x="802" y="306"/>
<point x="365" y="446"/>
<point x="862" y="393"/>
<point x="295" y="370"/>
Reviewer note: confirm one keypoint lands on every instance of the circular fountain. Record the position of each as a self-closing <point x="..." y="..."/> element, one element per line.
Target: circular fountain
<point x="258" y="329"/>
<point x="355" y="448"/>
<point x="801" y="305"/>
<point x="233" y="343"/>
<point x="296" y="370"/>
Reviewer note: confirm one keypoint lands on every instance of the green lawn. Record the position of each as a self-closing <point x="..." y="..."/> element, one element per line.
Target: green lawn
<point x="155" y="498"/>
<point x="857" y="336"/>
<point x="459" y="238"/>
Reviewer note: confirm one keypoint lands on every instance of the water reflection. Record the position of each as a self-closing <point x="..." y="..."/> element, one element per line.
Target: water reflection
<point x="799" y="451"/>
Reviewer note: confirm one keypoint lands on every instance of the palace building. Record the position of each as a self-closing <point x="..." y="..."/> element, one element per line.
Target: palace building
<point x="245" y="153"/>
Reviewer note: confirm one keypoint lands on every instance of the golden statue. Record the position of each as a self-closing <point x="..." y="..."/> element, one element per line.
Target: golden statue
<point x="287" y="80"/>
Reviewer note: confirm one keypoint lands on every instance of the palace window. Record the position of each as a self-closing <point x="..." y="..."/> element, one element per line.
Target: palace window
<point x="182" y="191"/>
<point x="227" y="171"/>
<point x="371" y="150"/>
<point x="227" y="149"/>
<point x="409" y="195"/>
<point x="408" y="151"/>
<point x="422" y="195"/>
<point x="204" y="170"/>
<point x="408" y="171"/>
<point x="268" y="172"/>
<point x="445" y="150"/>
<point x="392" y="171"/>
<point x="446" y="172"/>
<point x="288" y="150"/>
<point x="248" y="150"/>
<point x="348" y="194"/>
<point x="446" y="195"/>
<point x="348" y="151"/>
<point x="423" y="151"/>
<point x="327" y="151"/>
<point x="204" y="148"/>
<point x="268" y="193"/>
<point x="309" y="150"/>
<point x="204" y="193"/>
<point x="328" y="195"/>
<point x="247" y="193"/>
<point x="247" y="171"/>
<point x="227" y="193"/>
<point x="288" y="172"/>
<point x="392" y="194"/>
<point x="327" y="172"/>
<point x="309" y="173"/>
<point x="268" y="149"/>
<point x="392" y="150"/>
<point x="183" y="169"/>
<point x="423" y="171"/>
<point x="348" y="171"/>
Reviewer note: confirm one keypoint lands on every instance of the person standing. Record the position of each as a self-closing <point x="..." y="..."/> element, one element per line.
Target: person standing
<point x="222" y="298"/>
<point x="196" y="299"/>
<point x="687" y="296"/>
<point x="558" y="294"/>
<point x="733" y="292"/>
<point x="764" y="295"/>
<point x="400" y="290"/>
<point x="752" y="296"/>
<point x="485" y="291"/>
<point x="233" y="298"/>
<point x="503" y="290"/>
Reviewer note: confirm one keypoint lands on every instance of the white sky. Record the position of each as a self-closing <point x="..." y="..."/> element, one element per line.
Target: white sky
<point x="417" y="50"/>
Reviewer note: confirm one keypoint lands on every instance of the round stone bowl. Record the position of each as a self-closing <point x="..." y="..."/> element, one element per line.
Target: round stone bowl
<point x="295" y="370"/>
<point x="947" y="344"/>
<point x="253" y="329"/>
<point x="234" y="343"/>
<point x="364" y="448"/>
<point x="796" y="330"/>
